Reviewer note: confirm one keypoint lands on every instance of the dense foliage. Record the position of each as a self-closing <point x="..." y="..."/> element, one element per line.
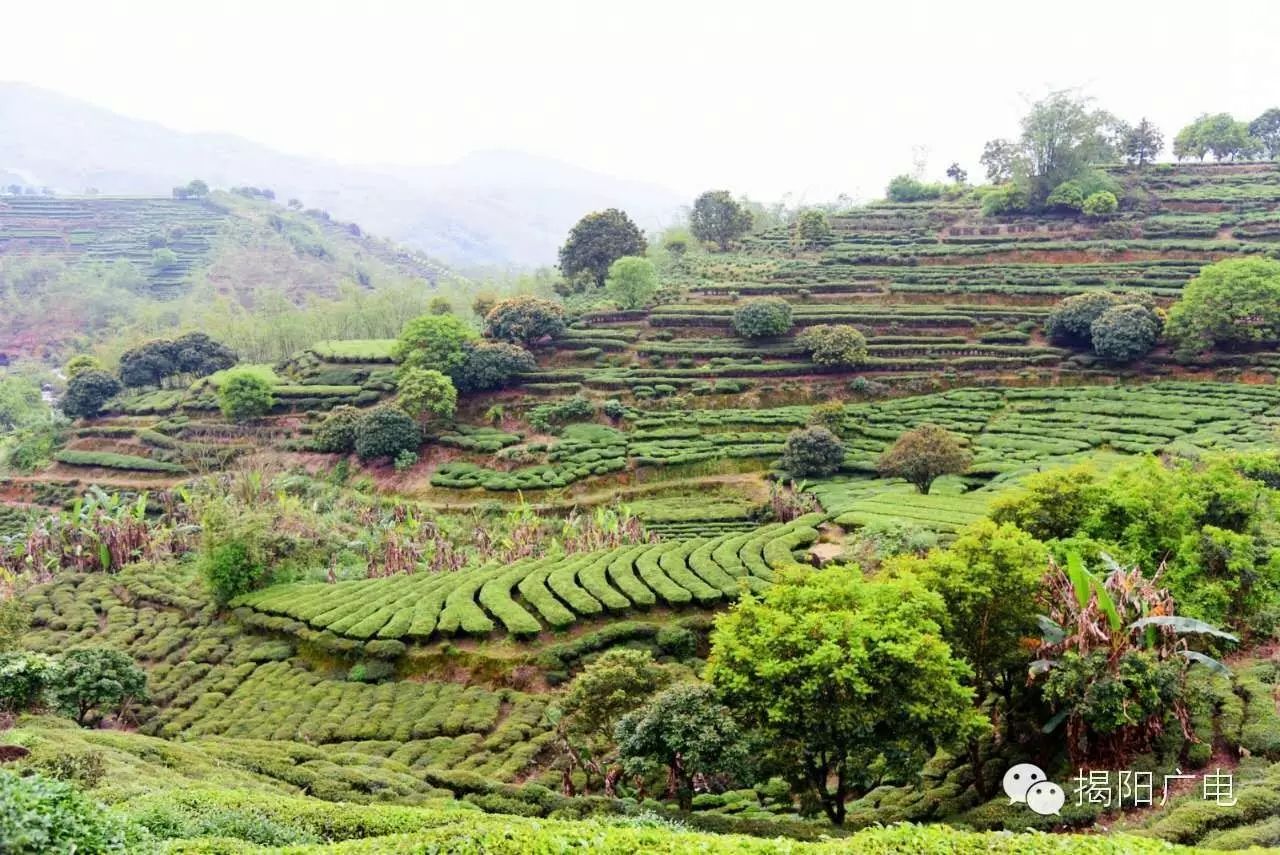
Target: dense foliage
<point x="1230" y="304"/>
<point x="87" y="392"/>
<point x="437" y="342"/>
<point x="39" y="816"/>
<point x="922" y="454"/>
<point x="385" y="432"/>
<point x="425" y="393"/>
<point x="848" y="681"/>
<point x="834" y="344"/>
<point x="631" y="282"/>
<point x="1125" y="332"/>
<point x="489" y="365"/>
<point x="597" y="241"/>
<point x="686" y="729"/>
<point x="764" y="317"/>
<point x="97" y="679"/>
<point x="719" y="218"/>
<point x="245" y="395"/>
<point x="525" y="320"/>
<point x="812" y="452"/>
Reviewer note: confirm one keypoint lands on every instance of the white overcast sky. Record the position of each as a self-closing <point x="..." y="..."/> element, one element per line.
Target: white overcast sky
<point x="764" y="98"/>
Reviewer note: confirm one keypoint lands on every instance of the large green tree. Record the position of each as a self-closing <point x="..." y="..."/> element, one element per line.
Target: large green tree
<point x="424" y="392"/>
<point x="87" y="392"/>
<point x="632" y="282"/>
<point x="718" y="217"/>
<point x="1141" y="143"/>
<point x="1230" y="304"/>
<point x="616" y="683"/>
<point x="524" y="320"/>
<point x="1063" y="137"/>
<point x="989" y="578"/>
<point x="597" y="241"/>
<point x="847" y="680"/>
<point x="1266" y="130"/>
<point x="686" y="729"/>
<point x="1218" y="134"/>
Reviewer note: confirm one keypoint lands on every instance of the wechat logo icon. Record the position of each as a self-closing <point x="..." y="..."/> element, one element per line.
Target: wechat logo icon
<point x="1028" y="784"/>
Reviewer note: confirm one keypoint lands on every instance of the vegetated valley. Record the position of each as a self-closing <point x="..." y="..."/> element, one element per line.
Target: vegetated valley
<point x="779" y="531"/>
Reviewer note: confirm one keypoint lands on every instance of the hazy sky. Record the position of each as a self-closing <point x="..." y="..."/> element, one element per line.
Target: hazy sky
<point x="760" y="97"/>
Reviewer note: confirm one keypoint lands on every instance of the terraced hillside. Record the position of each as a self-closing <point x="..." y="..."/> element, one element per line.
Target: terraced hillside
<point x="942" y="293"/>
<point x="57" y="251"/>
<point x="410" y="631"/>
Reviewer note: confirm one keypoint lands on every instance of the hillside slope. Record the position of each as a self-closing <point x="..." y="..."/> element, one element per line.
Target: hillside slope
<point x="71" y="266"/>
<point x="492" y="208"/>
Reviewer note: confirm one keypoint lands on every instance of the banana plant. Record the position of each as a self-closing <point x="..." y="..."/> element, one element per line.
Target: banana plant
<point x="1118" y="613"/>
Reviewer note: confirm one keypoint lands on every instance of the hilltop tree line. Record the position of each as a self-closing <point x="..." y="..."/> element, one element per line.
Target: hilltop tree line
<point x="1053" y="165"/>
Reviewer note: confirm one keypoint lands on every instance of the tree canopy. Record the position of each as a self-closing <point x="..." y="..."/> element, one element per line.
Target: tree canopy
<point x="835" y="344"/>
<point x="763" y="317"/>
<point x="87" y="392"/>
<point x="597" y="241"/>
<point x="632" y="282"/>
<point x="1063" y="138"/>
<point x="524" y="320"/>
<point x="1218" y="134"/>
<point x="847" y="680"/>
<point x="435" y="341"/>
<point x="425" y="392"/>
<point x="718" y="217"/>
<point x="1232" y="303"/>
<point x="245" y="395"/>
<point x="922" y="454"/>
<point x="812" y="452"/>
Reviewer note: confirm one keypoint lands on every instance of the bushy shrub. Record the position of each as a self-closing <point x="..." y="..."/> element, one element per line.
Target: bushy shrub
<point x="811" y="229"/>
<point x="245" y="395"/>
<point x="425" y="392"/>
<point x="1123" y="333"/>
<point x="1066" y="196"/>
<point x="230" y="569"/>
<point x="835" y="344"/>
<point x="677" y="641"/>
<point x="40" y="816"/>
<point x="812" y="452"/>
<point x="1230" y="304"/>
<point x="435" y="341"/>
<point x="24" y="677"/>
<point x="1100" y="204"/>
<point x="763" y="317"/>
<point x="405" y="460"/>
<point x="386" y="431"/>
<point x="632" y="282"/>
<point x="524" y="320"/>
<point x="1009" y="198"/>
<point x="488" y="365"/>
<point x="1071" y="320"/>
<point x="576" y="409"/>
<point x="337" y="433"/>
<point x="904" y="188"/>
<point x="87" y="391"/>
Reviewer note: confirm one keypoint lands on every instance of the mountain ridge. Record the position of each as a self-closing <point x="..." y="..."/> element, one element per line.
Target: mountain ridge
<point x="492" y="207"/>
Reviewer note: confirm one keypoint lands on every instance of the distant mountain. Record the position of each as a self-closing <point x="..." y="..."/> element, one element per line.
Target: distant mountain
<point x="490" y="208"/>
